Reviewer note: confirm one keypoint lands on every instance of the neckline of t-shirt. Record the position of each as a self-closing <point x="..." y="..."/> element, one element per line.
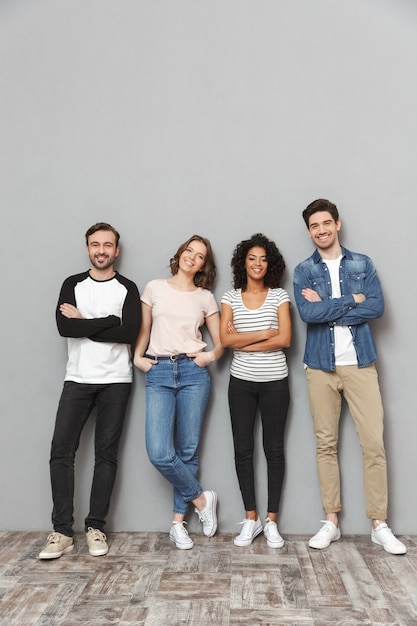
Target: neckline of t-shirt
<point x="180" y="290"/>
<point x="259" y="307"/>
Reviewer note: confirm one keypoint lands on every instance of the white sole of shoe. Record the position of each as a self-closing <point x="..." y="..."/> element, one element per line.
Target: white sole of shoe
<point x="54" y="555"/>
<point x="182" y="546"/>
<point x="275" y="544"/>
<point x="323" y="547"/>
<point x="98" y="553"/>
<point x="244" y="543"/>
<point x="378" y="543"/>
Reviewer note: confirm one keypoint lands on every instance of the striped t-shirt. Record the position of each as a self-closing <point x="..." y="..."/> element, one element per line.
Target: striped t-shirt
<point x="257" y="366"/>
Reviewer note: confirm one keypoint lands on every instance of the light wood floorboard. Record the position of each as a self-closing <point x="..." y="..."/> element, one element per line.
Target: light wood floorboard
<point x="145" y="581"/>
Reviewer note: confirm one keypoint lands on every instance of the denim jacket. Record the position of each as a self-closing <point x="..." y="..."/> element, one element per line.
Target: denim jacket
<point x="357" y="275"/>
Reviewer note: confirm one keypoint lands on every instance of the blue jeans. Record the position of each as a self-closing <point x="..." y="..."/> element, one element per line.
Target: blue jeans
<point x="76" y="403"/>
<point x="177" y="393"/>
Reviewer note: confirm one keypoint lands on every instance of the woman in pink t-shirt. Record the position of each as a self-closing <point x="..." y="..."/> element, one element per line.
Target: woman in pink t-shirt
<point x="171" y="351"/>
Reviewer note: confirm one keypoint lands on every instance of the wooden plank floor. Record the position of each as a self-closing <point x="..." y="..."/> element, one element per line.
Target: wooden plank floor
<point x="145" y="581"/>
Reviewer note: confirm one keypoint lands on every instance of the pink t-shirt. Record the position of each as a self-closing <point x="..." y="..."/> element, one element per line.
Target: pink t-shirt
<point x="177" y="317"/>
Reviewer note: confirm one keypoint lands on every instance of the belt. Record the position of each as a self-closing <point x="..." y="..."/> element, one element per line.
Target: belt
<point x="173" y="357"/>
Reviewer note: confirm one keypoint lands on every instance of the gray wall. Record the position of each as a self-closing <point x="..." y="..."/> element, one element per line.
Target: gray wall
<point x="222" y="117"/>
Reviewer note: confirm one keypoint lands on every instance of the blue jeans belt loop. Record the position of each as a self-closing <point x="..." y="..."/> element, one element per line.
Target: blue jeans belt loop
<point x="173" y="357"/>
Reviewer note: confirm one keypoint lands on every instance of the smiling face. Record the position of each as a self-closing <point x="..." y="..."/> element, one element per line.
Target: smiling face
<point x="323" y="230"/>
<point x="102" y="249"/>
<point x="256" y="263"/>
<point x="193" y="258"/>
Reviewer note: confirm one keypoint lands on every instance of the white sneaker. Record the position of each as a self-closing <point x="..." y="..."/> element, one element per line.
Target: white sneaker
<point x="97" y="542"/>
<point x="57" y="544"/>
<point x="250" y="530"/>
<point x="179" y="535"/>
<point x="328" y="532"/>
<point x="208" y="514"/>
<point x="383" y="536"/>
<point x="272" y="536"/>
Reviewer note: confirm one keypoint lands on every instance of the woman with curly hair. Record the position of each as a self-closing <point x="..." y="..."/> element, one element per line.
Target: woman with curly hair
<point x="256" y="323"/>
<point x="171" y="351"/>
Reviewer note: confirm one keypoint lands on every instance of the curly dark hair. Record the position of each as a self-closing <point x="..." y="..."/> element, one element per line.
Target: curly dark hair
<point x="276" y="263"/>
<point x="205" y="277"/>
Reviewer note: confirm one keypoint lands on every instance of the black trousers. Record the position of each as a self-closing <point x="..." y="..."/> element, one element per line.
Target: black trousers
<point x="75" y="406"/>
<point x="272" y="399"/>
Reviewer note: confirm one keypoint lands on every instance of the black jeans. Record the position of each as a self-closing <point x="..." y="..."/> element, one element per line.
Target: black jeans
<point x="75" y="406"/>
<point x="272" y="399"/>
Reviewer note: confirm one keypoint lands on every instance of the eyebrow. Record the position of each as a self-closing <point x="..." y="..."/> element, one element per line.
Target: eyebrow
<point x="106" y="243"/>
<point x="195" y="250"/>
<point x="318" y="223"/>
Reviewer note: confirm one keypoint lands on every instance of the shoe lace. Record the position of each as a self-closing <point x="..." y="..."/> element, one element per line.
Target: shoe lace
<point x="325" y="528"/>
<point x="203" y="516"/>
<point x="96" y="535"/>
<point x="247" y="527"/>
<point x="271" y="528"/>
<point x="53" y="537"/>
<point x="387" y="534"/>
<point x="180" y="528"/>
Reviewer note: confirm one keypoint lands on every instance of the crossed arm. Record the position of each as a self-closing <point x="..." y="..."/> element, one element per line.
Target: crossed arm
<point x="349" y="309"/>
<point x="111" y="329"/>
<point x="258" y="340"/>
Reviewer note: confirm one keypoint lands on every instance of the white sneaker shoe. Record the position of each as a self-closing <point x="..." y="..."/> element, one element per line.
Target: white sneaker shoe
<point x="328" y="532"/>
<point x="250" y="530"/>
<point x="179" y="535"/>
<point x="57" y="544"/>
<point x="272" y="536"/>
<point x="208" y="515"/>
<point x="383" y="536"/>
<point x="97" y="542"/>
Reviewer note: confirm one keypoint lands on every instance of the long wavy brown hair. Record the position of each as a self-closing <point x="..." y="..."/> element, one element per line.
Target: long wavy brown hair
<point x="205" y="277"/>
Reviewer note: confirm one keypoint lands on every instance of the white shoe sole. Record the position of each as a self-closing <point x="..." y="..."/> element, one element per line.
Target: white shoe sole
<point x="275" y="544"/>
<point x="182" y="546"/>
<point x="400" y="550"/>
<point x="325" y="545"/>
<point x="98" y="552"/>
<point x="244" y="543"/>
<point x="55" y="555"/>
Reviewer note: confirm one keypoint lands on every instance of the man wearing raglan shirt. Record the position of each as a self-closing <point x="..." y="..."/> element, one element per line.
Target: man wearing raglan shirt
<point x="99" y="312"/>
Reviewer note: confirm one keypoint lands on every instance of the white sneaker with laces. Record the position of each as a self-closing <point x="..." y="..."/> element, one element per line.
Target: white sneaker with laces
<point x="383" y="536"/>
<point x="328" y="532"/>
<point x="208" y="515"/>
<point x="97" y="542"/>
<point x="57" y="544"/>
<point x="251" y="529"/>
<point x="179" y="535"/>
<point x="272" y="536"/>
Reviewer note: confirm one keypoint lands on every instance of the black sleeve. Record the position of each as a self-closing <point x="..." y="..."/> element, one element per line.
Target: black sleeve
<point x="127" y="330"/>
<point x="77" y="328"/>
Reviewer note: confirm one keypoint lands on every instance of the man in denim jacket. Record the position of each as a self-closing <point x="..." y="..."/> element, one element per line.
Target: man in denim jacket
<point x="337" y="292"/>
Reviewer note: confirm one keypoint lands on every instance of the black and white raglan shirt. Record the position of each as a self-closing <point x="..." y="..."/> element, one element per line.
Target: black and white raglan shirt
<point x="100" y="344"/>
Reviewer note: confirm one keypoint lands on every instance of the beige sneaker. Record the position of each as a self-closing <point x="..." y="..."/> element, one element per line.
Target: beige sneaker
<point x="56" y="545"/>
<point x="97" y="543"/>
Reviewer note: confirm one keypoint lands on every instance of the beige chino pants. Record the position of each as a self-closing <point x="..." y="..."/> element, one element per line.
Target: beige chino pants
<point x="360" y="388"/>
